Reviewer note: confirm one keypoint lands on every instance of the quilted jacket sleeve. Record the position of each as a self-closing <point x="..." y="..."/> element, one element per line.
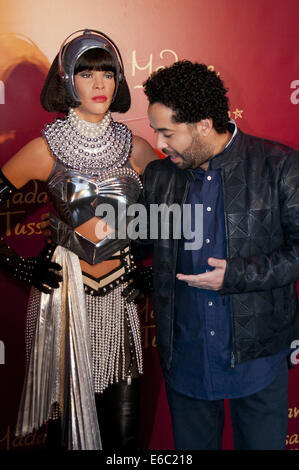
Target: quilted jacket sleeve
<point x="280" y="267"/>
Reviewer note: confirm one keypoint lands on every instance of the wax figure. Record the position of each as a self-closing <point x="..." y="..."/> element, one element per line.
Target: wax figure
<point x="226" y="312"/>
<point x="83" y="338"/>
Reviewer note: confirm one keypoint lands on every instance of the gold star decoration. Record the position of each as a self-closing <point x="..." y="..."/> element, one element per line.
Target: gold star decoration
<point x="238" y="113"/>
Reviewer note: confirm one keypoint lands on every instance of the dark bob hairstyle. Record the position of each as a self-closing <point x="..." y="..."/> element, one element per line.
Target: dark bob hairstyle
<point x="55" y="98"/>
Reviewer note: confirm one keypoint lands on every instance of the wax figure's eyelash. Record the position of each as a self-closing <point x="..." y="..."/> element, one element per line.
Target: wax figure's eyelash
<point x="89" y="73"/>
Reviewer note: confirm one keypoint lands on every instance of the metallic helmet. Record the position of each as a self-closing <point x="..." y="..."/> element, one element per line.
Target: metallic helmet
<point x="70" y="52"/>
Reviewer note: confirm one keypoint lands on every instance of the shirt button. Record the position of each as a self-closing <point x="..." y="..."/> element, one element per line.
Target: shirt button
<point x="208" y="240"/>
<point x="212" y="333"/>
<point x="210" y="303"/>
<point x="209" y="178"/>
<point x="209" y="209"/>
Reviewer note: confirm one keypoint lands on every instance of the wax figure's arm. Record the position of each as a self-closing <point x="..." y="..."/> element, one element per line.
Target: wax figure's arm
<point x="264" y="271"/>
<point x="38" y="271"/>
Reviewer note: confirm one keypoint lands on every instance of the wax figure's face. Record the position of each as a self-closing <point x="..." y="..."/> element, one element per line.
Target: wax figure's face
<point x="182" y="142"/>
<point x="95" y="90"/>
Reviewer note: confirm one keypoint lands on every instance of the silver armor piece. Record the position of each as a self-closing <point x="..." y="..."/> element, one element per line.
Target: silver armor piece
<point x="71" y="52"/>
<point x="77" y="199"/>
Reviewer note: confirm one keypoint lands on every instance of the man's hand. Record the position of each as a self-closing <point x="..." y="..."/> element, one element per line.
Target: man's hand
<point x="211" y="280"/>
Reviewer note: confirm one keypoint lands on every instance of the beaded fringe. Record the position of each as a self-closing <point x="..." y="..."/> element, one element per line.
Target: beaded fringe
<point x="31" y="317"/>
<point x="107" y="316"/>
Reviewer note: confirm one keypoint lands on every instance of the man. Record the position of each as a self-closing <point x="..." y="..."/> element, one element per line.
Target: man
<point x="226" y="313"/>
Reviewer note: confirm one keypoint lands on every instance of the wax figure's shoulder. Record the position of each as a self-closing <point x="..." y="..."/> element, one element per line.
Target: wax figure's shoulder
<point x="33" y="161"/>
<point x="142" y="154"/>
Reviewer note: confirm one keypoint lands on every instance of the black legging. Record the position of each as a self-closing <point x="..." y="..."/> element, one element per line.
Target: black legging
<point x="118" y="414"/>
<point x="118" y="409"/>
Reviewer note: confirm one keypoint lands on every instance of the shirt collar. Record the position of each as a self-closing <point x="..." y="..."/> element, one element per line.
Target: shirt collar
<point x="233" y="129"/>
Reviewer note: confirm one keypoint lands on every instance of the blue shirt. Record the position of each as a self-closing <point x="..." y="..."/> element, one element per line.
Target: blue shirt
<point x="202" y="349"/>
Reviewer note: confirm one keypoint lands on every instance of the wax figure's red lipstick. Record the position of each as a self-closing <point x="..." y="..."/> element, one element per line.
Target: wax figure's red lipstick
<point x="100" y="99"/>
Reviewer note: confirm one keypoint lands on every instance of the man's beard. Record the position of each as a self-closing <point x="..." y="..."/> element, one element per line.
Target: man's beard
<point x="194" y="156"/>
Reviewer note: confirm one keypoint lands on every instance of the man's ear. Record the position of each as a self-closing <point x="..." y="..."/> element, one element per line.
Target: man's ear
<point x="205" y="126"/>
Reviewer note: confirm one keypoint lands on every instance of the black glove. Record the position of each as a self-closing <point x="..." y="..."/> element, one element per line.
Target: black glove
<point x="140" y="283"/>
<point x="38" y="271"/>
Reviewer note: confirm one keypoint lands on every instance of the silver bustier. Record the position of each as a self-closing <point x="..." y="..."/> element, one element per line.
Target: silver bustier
<point x="76" y="199"/>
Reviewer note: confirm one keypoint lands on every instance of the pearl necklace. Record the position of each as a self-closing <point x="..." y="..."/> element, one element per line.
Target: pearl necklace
<point x="90" y="148"/>
<point x="89" y="129"/>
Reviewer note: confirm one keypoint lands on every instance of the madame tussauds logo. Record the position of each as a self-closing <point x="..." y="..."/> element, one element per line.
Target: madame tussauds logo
<point x="2" y="353"/>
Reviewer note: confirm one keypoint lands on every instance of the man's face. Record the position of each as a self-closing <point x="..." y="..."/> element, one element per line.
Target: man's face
<point x="182" y="142"/>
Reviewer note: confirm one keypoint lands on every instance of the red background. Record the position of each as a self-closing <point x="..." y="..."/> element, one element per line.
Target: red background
<point x="252" y="44"/>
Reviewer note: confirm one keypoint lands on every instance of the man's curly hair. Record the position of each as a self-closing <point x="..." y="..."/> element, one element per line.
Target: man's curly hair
<point x="192" y="91"/>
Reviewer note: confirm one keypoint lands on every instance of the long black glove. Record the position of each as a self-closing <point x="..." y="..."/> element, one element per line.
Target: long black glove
<point x="140" y="284"/>
<point x="38" y="271"/>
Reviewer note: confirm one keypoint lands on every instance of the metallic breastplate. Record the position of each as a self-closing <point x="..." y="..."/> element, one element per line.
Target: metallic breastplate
<point x="77" y="198"/>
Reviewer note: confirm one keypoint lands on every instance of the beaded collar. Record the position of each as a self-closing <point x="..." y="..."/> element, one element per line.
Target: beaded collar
<point x="91" y="148"/>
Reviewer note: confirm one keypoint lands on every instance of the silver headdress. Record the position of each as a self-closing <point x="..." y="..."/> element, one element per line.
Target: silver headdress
<point x="70" y="52"/>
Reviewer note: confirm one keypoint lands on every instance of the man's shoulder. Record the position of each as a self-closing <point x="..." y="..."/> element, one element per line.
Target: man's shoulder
<point x="270" y="148"/>
<point x="260" y="152"/>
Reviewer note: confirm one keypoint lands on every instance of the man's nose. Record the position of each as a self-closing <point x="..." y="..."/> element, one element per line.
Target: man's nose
<point x="161" y="144"/>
